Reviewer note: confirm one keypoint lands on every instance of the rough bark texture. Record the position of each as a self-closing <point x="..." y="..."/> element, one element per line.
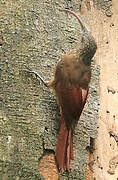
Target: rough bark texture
<point x="29" y="114"/>
<point x="103" y="162"/>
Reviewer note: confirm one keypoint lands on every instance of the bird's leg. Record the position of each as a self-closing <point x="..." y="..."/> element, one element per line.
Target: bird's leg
<point x="46" y="83"/>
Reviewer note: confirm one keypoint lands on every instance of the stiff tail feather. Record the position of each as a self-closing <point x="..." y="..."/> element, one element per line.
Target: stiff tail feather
<point x="64" y="148"/>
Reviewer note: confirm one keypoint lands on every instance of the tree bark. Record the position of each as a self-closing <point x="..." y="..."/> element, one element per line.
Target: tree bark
<point x="103" y="162"/>
<point x="35" y="34"/>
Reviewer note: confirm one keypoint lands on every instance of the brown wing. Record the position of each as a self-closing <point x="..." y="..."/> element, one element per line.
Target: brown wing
<point x="72" y="77"/>
<point x="71" y="100"/>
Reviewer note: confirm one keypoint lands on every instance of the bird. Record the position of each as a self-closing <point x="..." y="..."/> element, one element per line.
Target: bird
<point x="71" y="80"/>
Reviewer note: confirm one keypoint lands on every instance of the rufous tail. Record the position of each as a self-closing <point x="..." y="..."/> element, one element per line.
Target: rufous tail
<point x="64" y="148"/>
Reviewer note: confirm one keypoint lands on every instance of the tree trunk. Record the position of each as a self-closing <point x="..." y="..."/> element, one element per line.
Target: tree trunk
<point x="103" y="162"/>
<point x="35" y="34"/>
